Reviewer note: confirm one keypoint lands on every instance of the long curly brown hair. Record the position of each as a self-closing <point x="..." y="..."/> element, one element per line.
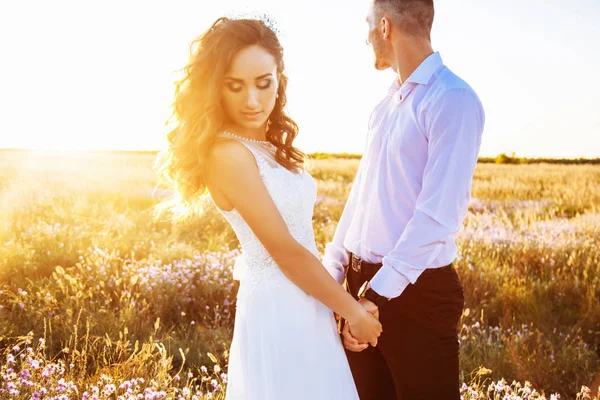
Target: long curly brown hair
<point x="198" y="114"/>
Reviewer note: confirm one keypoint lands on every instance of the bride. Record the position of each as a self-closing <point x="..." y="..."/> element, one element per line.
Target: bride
<point x="234" y="139"/>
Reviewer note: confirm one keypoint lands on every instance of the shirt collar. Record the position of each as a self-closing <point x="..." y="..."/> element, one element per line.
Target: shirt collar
<point x="395" y="86"/>
<point x="422" y="74"/>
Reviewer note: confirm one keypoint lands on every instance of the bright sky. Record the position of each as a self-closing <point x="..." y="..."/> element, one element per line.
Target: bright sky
<point x="97" y="74"/>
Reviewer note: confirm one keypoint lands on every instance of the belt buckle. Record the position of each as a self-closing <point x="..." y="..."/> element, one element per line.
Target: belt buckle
<point x="356" y="263"/>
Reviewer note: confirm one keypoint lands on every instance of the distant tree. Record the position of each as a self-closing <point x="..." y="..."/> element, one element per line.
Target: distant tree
<point x="506" y="159"/>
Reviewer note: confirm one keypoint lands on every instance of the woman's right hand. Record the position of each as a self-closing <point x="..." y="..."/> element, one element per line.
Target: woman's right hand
<point x="365" y="327"/>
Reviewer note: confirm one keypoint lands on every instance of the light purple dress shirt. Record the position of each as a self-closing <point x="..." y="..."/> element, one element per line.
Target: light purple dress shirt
<point x="413" y="184"/>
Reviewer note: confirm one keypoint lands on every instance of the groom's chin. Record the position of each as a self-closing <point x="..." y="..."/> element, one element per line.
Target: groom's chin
<point x="380" y="66"/>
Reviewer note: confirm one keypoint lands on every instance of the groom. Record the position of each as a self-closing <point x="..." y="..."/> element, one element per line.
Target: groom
<point x="395" y="241"/>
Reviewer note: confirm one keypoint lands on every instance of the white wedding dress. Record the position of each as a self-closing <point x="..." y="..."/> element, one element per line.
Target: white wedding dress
<point x="285" y="343"/>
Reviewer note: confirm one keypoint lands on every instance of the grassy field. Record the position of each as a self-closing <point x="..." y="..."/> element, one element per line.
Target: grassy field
<point x="99" y="301"/>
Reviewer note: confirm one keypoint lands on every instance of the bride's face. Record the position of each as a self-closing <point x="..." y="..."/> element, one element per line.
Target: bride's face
<point x="250" y="88"/>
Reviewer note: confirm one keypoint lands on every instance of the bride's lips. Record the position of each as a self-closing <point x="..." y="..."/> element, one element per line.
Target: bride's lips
<point x="251" y="115"/>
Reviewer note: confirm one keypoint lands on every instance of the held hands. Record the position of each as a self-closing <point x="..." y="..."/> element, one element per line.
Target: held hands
<point x="360" y="331"/>
<point x="370" y="307"/>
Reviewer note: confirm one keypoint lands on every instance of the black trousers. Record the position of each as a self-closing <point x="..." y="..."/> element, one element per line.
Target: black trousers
<point x="416" y="357"/>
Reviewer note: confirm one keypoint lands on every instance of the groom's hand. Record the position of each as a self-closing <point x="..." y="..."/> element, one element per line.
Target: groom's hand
<point x="370" y="307"/>
<point x="349" y="341"/>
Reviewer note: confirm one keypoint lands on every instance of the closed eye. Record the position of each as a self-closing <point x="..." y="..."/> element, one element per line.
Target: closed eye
<point x="234" y="87"/>
<point x="264" y="84"/>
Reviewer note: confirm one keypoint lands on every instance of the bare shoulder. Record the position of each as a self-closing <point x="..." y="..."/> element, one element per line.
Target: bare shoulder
<point x="226" y="155"/>
<point x="227" y="162"/>
<point x="228" y="152"/>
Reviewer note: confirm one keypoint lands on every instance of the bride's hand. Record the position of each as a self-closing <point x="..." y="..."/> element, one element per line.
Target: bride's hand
<point x="364" y="327"/>
<point x="350" y="342"/>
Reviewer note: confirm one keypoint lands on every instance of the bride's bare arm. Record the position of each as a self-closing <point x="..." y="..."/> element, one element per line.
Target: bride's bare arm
<point x="231" y="171"/>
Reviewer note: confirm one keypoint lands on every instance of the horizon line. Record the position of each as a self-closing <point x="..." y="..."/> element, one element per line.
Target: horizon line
<point x="156" y="151"/>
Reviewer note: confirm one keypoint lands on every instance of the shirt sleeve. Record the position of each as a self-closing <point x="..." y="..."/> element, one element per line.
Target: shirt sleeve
<point x="336" y="255"/>
<point x="453" y="125"/>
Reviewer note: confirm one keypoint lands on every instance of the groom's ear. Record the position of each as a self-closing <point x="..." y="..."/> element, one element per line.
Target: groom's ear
<point x="386" y="28"/>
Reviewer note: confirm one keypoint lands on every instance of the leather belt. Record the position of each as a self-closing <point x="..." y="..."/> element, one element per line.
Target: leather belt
<point x="364" y="267"/>
<point x="359" y="265"/>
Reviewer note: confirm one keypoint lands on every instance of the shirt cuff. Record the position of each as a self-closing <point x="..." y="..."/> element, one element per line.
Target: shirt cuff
<point x="388" y="282"/>
<point x="335" y="269"/>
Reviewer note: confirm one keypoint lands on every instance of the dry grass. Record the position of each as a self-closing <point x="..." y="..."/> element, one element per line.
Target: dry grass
<point x="85" y="268"/>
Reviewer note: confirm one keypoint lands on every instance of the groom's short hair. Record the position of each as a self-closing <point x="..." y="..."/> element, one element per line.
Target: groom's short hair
<point x="415" y="17"/>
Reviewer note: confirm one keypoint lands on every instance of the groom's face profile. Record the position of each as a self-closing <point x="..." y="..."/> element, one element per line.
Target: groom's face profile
<point x="396" y="27"/>
<point x="376" y="39"/>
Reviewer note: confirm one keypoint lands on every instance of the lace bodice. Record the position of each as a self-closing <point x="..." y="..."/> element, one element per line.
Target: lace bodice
<point x="294" y="194"/>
